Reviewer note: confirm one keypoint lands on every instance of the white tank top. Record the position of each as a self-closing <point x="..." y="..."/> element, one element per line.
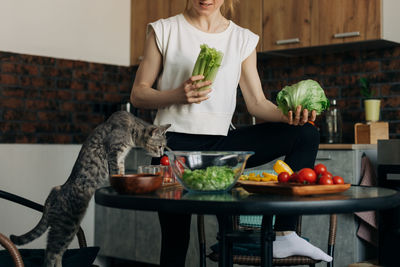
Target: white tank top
<point x="179" y="43"/>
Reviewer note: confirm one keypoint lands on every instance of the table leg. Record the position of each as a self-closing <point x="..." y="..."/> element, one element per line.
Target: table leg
<point x="267" y="238"/>
<point x="225" y="245"/>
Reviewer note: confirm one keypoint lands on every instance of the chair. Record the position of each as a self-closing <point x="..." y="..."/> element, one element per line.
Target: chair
<point x="84" y="254"/>
<point x="256" y="260"/>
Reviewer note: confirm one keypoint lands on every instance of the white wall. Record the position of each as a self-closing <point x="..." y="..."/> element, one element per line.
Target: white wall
<point x="88" y="30"/>
<point x="390" y="21"/>
<point x="31" y="171"/>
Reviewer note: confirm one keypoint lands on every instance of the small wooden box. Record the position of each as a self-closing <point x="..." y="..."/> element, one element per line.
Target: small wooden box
<point x="370" y="133"/>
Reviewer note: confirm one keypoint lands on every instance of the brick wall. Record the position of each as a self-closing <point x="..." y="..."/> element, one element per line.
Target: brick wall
<point x="48" y="100"/>
<point x="338" y="74"/>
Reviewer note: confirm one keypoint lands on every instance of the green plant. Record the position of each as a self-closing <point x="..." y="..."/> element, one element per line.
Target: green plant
<point x="366" y="90"/>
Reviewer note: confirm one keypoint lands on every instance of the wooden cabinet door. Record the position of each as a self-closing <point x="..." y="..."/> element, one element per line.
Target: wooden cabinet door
<point x="340" y="21"/>
<point x="286" y="24"/>
<point x="144" y="12"/>
<point x="248" y="14"/>
<point x="176" y="6"/>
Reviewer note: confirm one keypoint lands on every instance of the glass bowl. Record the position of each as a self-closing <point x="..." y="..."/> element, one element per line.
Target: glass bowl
<point x="208" y="171"/>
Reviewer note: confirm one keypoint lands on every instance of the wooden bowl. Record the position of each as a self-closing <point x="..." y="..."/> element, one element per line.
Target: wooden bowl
<point x="136" y="183"/>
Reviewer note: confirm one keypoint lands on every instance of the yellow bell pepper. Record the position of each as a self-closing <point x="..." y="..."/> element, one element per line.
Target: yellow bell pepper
<point x="267" y="177"/>
<point x="254" y="178"/>
<point x="281" y="166"/>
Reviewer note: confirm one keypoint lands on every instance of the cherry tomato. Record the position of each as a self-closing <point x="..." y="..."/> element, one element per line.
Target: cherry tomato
<point x="338" y="180"/>
<point x="283" y="177"/>
<point x="164" y="161"/>
<point x="320" y="169"/>
<point x="180" y="162"/>
<point x="325" y="180"/>
<point x="294" y="177"/>
<point x="328" y="174"/>
<point x="307" y="175"/>
<point x="180" y="166"/>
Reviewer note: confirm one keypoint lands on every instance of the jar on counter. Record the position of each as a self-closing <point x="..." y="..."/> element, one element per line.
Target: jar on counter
<point x="332" y="124"/>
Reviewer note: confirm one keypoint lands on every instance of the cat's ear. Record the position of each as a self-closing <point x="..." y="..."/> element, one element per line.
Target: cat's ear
<point x="163" y="128"/>
<point x="159" y="130"/>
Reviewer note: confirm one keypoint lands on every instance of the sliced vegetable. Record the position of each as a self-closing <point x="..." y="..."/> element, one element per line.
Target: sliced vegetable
<point x="207" y="64"/>
<point x="307" y="93"/>
<point x="211" y="178"/>
<point x="268" y="177"/>
<point x="281" y="166"/>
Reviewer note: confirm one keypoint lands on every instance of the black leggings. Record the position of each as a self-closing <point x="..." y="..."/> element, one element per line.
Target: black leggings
<point x="299" y="145"/>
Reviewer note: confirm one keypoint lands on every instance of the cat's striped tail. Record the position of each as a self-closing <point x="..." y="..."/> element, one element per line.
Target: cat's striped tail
<point x="36" y="232"/>
<point x="41" y="226"/>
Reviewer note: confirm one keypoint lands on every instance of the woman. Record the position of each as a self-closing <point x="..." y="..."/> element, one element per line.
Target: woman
<point x="201" y="119"/>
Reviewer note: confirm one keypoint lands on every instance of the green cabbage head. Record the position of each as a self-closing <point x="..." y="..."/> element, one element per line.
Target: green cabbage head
<point x="307" y="93"/>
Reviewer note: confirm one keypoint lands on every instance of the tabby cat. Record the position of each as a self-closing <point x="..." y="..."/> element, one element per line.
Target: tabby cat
<point x="103" y="153"/>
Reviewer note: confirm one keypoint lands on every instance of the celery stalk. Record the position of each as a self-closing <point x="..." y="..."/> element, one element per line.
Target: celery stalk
<point x="207" y="63"/>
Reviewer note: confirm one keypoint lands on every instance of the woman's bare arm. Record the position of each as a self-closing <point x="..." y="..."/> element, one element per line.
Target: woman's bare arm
<point x="144" y="96"/>
<point x="257" y="104"/>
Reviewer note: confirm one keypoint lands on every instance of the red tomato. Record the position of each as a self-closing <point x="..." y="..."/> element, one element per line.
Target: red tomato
<point x="325" y="180"/>
<point x="294" y="178"/>
<point x="328" y="174"/>
<point x="320" y="169"/>
<point x="180" y="163"/>
<point x="307" y="175"/>
<point x="180" y="166"/>
<point x="164" y="161"/>
<point x="283" y="177"/>
<point x="338" y="180"/>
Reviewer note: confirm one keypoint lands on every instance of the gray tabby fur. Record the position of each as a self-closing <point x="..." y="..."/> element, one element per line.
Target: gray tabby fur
<point x="103" y="152"/>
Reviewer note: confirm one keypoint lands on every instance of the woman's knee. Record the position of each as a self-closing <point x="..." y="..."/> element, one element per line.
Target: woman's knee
<point x="309" y="134"/>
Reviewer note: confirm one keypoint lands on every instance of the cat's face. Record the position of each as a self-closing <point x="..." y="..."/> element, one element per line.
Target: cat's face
<point x="156" y="140"/>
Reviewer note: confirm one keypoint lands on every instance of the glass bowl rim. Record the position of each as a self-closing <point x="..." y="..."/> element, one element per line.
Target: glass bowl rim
<point x="207" y="152"/>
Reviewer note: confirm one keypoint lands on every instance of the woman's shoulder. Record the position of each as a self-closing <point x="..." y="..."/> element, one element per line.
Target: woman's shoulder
<point x="170" y="21"/>
<point x="244" y="32"/>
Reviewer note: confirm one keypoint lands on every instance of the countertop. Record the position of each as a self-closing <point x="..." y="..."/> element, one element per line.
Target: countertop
<point x="347" y="146"/>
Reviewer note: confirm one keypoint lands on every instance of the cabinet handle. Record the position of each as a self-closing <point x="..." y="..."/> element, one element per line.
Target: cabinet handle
<point x="288" y="41"/>
<point x="140" y="58"/>
<point x="324" y="158"/>
<point x="346" y="34"/>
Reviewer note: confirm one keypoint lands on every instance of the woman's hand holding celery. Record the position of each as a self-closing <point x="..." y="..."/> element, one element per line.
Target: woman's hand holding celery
<point x="197" y="87"/>
<point x="189" y="91"/>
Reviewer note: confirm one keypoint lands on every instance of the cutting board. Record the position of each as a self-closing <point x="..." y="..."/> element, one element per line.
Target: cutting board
<point x="292" y="188"/>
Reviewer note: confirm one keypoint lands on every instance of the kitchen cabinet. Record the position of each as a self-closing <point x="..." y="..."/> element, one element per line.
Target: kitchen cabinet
<point x="248" y="14"/>
<point x="341" y="21"/>
<point x="291" y="24"/>
<point x="144" y="12"/>
<point x="286" y="24"/>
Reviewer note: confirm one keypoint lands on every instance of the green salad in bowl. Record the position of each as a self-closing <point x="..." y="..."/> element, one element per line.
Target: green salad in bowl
<point x="208" y="171"/>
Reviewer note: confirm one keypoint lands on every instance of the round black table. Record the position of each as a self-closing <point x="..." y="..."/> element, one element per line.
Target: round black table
<point x="238" y="202"/>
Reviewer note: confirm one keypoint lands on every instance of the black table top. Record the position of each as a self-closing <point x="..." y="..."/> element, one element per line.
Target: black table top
<point x="238" y="201"/>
